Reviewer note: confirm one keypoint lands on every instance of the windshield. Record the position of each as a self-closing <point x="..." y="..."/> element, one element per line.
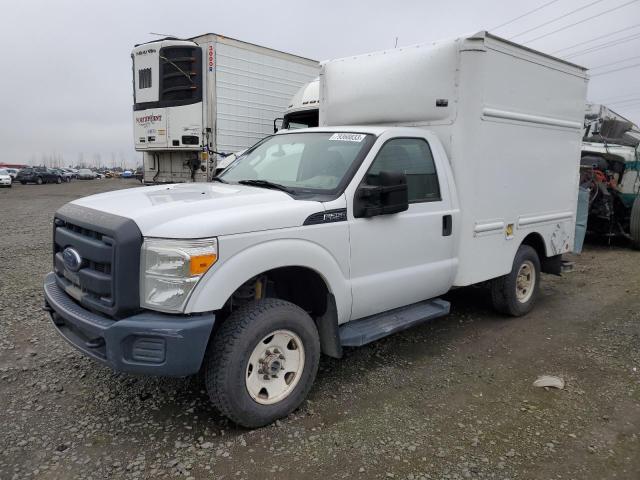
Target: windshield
<point x="313" y="161"/>
<point x="4" y="172"/>
<point x="304" y="119"/>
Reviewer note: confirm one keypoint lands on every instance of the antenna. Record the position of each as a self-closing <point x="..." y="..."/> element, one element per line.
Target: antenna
<point x="161" y="34"/>
<point x="396" y="45"/>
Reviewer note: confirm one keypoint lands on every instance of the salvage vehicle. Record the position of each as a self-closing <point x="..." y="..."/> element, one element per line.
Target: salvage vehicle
<point x="610" y="170"/>
<point x="319" y="239"/>
<point x="5" y="178"/>
<point x="199" y="97"/>
<point x="38" y="175"/>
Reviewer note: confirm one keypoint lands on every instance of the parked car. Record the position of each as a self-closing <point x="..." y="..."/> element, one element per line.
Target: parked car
<point x="5" y="178"/>
<point x="139" y="174"/>
<point x="38" y="175"/>
<point x="86" y="174"/>
<point x="127" y="174"/>
<point x="66" y="176"/>
<point x="12" y="172"/>
<point x="72" y="173"/>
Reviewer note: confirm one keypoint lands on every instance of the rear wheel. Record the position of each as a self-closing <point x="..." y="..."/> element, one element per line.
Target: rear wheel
<point x="58" y="180"/>
<point x="39" y="181"/>
<point x="634" y="223"/>
<point x="23" y="182"/>
<point x="262" y="362"/>
<point x="515" y="293"/>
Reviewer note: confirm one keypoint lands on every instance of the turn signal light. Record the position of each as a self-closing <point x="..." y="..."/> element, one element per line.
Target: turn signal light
<point x="201" y="263"/>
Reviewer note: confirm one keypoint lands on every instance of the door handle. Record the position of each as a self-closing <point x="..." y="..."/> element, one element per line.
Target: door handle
<point x="447" y="225"/>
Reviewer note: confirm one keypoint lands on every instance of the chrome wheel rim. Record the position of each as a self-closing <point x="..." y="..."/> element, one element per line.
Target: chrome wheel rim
<point x="274" y="367"/>
<point x="525" y="281"/>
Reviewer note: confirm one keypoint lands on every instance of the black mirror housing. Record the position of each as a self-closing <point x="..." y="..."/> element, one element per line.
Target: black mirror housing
<point x="275" y="124"/>
<point x="390" y="196"/>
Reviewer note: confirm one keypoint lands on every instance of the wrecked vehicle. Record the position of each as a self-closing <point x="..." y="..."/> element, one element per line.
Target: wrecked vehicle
<point x="610" y="170"/>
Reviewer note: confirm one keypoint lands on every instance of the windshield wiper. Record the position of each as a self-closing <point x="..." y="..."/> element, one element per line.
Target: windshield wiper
<point x="265" y="184"/>
<point x="219" y="179"/>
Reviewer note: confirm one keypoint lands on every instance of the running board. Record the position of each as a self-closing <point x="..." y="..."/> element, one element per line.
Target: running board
<point x="366" y="330"/>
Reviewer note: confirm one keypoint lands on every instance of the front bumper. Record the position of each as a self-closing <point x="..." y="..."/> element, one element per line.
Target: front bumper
<point x="149" y="343"/>
<point x="5" y="182"/>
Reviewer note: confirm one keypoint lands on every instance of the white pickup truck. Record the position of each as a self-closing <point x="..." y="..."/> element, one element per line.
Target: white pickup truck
<point x="458" y="166"/>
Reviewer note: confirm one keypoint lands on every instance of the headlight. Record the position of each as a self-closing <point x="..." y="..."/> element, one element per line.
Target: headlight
<point x="170" y="269"/>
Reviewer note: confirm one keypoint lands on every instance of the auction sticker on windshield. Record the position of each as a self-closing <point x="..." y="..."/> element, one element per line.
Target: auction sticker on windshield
<point x="348" y="137"/>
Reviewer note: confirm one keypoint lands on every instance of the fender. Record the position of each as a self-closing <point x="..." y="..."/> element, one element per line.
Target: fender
<point x="224" y="278"/>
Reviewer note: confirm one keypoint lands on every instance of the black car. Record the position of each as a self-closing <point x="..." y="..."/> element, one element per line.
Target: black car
<point x="38" y="175"/>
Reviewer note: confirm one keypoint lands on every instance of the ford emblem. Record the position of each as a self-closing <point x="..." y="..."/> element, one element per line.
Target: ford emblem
<point x="72" y="259"/>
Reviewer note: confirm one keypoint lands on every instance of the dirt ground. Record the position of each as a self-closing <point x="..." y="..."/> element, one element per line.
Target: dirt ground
<point x="452" y="399"/>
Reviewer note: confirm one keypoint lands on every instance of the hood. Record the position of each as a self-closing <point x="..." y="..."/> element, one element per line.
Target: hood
<point x="198" y="210"/>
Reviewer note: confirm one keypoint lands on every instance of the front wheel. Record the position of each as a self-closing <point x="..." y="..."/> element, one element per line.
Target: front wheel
<point x="39" y="181"/>
<point x="515" y="293"/>
<point x="23" y="182"/>
<point x="58" y="180"/>
<point x="262" y="362"/>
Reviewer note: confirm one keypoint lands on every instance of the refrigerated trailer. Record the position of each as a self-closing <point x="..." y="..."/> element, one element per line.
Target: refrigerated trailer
<point x="197" y="98"/>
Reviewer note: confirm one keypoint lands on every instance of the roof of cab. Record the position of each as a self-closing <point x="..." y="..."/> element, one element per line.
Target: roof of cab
<point x="374" y="130"/>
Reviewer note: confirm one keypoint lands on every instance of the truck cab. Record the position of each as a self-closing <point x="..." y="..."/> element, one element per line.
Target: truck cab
<point x="303" y="111"/>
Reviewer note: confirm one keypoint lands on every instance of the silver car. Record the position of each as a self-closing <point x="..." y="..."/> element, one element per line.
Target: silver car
<point x="86" y="174"/>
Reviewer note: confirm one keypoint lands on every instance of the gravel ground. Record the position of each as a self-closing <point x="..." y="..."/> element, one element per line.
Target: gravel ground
<point x="452" y="399"/>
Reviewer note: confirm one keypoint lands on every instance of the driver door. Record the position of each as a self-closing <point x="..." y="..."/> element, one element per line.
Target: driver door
<point x="402" y="258"/>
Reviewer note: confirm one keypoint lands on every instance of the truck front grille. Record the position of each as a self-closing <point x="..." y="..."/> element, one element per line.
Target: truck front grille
<point x="108" y="248"/>
<point x="92" y="283"/>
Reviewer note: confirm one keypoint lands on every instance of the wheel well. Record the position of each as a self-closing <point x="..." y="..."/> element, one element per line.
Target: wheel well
<point x="548" y="264"/>
<point x="535" y="241"/>
<point x="301" y="286"/>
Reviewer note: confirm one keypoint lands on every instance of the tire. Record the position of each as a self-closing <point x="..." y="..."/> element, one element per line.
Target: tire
<point x="634" y="223"/>
<point x="58" y="180"/>
<point x="23" y="182"/>
<point x="235" y="354"/>
<point x="506" y="296"/>
<point x="39" y="181"/>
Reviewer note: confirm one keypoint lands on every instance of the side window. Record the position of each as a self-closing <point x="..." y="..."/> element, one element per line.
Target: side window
<point x="411" y="156"/>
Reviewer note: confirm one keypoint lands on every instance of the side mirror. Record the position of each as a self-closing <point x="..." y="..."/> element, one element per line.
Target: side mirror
<point x="390" y="196"/>
<point x="276" y="122"/>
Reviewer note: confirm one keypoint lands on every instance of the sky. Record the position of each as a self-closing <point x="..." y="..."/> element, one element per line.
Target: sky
<point x="65" y="74"/>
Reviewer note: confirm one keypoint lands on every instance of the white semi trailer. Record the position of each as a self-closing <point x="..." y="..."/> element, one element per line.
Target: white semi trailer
<point x="207" y="94"/>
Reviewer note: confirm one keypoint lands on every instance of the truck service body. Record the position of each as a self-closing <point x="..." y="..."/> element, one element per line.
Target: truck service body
<point x="207" y="94"/>
<point x="434" y="175"/>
